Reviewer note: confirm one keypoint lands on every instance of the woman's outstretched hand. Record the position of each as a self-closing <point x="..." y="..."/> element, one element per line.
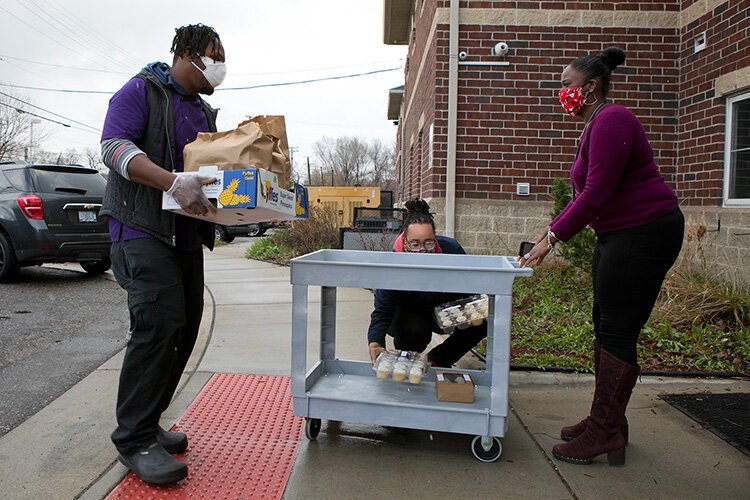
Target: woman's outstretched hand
<point x="538" y="253"/>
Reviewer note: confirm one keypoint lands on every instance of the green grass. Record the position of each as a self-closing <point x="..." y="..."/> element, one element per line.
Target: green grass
<point x="551" y="326"/>
<point x="269" y="250"/>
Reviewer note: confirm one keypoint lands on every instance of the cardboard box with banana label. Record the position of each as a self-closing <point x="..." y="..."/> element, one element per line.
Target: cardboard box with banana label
<point x="246" y="197"/>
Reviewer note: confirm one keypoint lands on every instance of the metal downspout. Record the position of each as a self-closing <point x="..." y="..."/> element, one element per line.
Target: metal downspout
<point x="450" y="181"/>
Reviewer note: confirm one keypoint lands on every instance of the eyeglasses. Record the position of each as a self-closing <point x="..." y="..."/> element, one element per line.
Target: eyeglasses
<point x="416" y="246"/>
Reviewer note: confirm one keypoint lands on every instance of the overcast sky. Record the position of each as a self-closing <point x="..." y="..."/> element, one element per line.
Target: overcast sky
<point x="97" y="45"/>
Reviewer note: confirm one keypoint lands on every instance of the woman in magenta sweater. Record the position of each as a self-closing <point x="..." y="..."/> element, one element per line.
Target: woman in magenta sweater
<point x="620" y="194"/>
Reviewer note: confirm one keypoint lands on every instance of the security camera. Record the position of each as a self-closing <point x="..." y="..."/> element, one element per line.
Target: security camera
<point x="500" y="49"/>
<point x="462" y="55"/>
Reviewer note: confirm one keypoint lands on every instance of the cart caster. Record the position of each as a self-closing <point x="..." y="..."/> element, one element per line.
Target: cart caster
<point x="312" y="428"/>
<point x="484" y="455"/>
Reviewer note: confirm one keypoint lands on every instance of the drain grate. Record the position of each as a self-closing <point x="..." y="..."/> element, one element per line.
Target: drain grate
<point x="726" y="415"/>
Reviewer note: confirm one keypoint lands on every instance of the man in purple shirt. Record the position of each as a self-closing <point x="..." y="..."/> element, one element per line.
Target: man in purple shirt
<point x="157" y="255"/>
<point x="639" y="227"/>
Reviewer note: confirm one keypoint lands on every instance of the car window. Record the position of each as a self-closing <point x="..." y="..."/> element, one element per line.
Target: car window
<point x="4" y="184"/>
<point x="18" y="178"/>
<point x="81" y="181"/>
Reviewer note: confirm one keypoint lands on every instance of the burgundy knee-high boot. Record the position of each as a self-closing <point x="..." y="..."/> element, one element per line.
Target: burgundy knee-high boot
<point x="614" y="385"/>
<point x="573" y="431"/>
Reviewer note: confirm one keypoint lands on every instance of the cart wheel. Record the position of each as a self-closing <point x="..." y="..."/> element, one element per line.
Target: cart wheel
<point x="486" y="455"/>
<point x="312" y="428"/>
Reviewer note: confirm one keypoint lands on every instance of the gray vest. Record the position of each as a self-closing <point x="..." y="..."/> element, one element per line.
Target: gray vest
<point x="139" y="206"/>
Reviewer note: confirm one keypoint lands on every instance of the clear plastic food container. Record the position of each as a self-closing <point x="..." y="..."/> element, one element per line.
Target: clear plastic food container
<point x="462" y="313"/>
<point x="401" y="366"/>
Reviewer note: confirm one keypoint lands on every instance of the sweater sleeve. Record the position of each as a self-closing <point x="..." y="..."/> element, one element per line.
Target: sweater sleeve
<point x="382" y="316"/>
<point x="124" y="126"/>
<point x="609" y="144"/>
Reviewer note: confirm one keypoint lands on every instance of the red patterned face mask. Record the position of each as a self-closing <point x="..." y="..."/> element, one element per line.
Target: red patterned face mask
<point x="572" y="99"/>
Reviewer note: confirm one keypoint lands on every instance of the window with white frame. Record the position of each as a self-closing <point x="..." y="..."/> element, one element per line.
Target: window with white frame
<point x="737" y="154"/>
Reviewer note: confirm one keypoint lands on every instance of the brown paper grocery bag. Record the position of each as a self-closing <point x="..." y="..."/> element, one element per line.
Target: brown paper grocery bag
<point x="275" y="126"/>
<point x="246" y="146"/>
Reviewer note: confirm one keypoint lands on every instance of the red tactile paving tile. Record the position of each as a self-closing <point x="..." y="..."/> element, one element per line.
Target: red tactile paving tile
<point x="243" y="441"/>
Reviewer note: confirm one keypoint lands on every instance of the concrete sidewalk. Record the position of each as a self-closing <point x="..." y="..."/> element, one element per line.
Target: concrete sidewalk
<point x="64" y="450"/>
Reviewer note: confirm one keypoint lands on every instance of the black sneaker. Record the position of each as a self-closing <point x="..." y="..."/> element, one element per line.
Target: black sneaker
<point x="173" y="442"/>
<point x="154" y="465"/>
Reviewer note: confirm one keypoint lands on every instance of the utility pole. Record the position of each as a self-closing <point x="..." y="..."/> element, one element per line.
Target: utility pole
<point x="292" y="150"/>
<point x="29" y="157"/>
<point x="309" y="180"/>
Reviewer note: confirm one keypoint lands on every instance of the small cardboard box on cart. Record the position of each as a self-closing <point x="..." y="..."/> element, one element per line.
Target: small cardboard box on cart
<point x="456" y="387"/>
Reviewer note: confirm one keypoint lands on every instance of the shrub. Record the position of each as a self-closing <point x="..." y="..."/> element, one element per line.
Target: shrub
<point x="691" y="296"/>
<point x="578" y="249"/>
<point x="320" y="231"/>
<point x="304" y="236"/>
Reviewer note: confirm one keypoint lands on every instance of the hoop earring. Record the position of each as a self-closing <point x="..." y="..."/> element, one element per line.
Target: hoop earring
<point x="596" y="99"/>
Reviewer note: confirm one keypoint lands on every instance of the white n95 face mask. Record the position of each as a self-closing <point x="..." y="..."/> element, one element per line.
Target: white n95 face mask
<point x="214" y="73"/>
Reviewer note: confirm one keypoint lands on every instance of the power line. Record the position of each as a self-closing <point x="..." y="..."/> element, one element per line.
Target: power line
<point x="19" y="110"/>
<point x="45" y="34"/>
<point x="48" y="111"/>
<point x="92" y="32"/>
<point x="301" y="82"/>
<point x="312" y="80"/>
<point x="266" y="73"/>
<point x="76" y="39"/>
<point x="312" y="70"/>
<point x="69" y="91"/>
<point x="3" y="57"/>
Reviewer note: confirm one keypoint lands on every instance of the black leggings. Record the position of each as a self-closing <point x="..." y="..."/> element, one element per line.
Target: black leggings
<point x="628" y="268"/>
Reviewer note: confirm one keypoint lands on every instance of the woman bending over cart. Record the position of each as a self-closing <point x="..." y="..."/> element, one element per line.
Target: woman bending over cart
<point x="407" y="316"/>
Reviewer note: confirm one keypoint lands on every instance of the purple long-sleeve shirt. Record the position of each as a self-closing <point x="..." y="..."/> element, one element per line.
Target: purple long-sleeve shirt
<point x="127" y="117"/>
<point x="617" y="183"/>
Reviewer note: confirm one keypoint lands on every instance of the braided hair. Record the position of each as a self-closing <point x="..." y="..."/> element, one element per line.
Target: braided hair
<point x="417" y="212"/>
<point x="600" y="65"/>
<point x="196" y="37"/>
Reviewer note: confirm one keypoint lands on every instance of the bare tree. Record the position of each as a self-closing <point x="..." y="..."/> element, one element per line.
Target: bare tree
<point x="18" y="133"/>
<point x="346" y="161"/>
<point x="68" y="157"/>
<point x="93" y="158"/>
<point x="14" y="127"/>
<point x="383" y="162"/>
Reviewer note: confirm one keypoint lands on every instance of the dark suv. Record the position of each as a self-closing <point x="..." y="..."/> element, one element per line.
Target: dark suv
<point x="50" y="213"/>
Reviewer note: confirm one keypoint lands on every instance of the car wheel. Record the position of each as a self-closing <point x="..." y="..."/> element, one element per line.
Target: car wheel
<point x="96" y="266"/>
<point x="257" y="229"/>
<point x="220" y="233"/>
<point x="8" y="265"/>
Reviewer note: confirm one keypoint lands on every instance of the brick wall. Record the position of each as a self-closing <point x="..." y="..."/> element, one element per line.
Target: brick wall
<point x="701" y="137"/>
<point x="511" y="127"/>
<point x="419" y="102"/>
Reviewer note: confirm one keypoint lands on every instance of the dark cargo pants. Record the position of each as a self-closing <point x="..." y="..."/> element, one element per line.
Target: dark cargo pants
<point x="165" y="300"/>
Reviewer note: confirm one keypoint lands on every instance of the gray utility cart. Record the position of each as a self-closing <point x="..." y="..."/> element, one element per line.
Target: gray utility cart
<point x="343" y="390"/>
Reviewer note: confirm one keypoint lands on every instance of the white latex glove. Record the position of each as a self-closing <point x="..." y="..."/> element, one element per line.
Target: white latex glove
<point x="186" y="190"/>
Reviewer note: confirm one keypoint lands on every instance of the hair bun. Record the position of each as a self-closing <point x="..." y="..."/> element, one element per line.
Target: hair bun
<point x="417" y="205"/>
<point x="613" y="57"/>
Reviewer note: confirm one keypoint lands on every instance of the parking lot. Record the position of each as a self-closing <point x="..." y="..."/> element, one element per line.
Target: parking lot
<point x="57" y="324"/>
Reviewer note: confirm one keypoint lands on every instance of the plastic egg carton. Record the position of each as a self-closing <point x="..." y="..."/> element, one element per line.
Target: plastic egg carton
<point x="400" y="366"/>
<point x="462" y="313"/>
